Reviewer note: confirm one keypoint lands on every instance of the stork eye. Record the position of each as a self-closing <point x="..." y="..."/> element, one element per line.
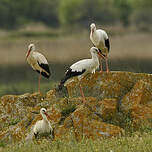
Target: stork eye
<point x="43" y="110"/>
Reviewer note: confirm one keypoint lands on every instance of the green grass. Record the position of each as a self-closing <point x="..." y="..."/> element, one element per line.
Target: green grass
<point x="18" y="88"/>
<point x="135" y="143"/>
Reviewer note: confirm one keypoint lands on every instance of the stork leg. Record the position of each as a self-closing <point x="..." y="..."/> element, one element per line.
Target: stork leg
<point x="107" y="67"/>
<point x="39" y="83"/>
<point x="36" y="135"/>
<point x="101" y="69"/>
<point x="82" y="94"/>
<point x="52" y="133"/>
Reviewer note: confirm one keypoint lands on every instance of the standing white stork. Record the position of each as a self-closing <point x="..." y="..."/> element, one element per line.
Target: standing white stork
<point x="100" y="40"/>
<point x="81" y="68"/>
<point x="38" y="62"/>
<point x="43" y="126"/>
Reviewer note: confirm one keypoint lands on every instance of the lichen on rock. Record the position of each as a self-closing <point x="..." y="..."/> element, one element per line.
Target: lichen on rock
<point x="111" y="99"/>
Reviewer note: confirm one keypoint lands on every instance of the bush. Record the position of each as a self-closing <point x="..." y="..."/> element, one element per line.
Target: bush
<point x="124" y="11"/>
<point x="70" y="11"/>
<point x="83" y="12"/>
<point x="141" y="15"/>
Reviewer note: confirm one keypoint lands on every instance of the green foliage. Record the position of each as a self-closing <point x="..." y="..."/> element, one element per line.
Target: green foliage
<point x="124" y="11"/>
<point x="19" y="12"/>
<point x="141" y="16"/>
<point x="74" y="12"/>
<point x="13" y="122"/>
<point x="47" y="11"/>
<point x="2" y="144"/>
<point x="101" y="11"/>
<point x="70" y="11"/>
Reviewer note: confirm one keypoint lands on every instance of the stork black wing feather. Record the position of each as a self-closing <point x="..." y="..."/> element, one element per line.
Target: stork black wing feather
<point x="46" y="68"/>
<point x="69" y="74"/>
<point x="107" y="44"/>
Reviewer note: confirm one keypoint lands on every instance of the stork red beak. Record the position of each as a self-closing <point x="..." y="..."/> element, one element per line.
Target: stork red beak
<point x="28" y="53"/>
<point x="47" y="115"/>
<point x="101" y="55"/>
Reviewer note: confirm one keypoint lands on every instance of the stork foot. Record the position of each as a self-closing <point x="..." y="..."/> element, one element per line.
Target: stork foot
<point x="36" y="135"/>
<point x="107" y="71"/>
<point x="41" y="94"/>
<point x="83" y="101"/>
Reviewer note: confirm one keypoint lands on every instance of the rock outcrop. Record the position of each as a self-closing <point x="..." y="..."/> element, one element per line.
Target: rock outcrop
<point x="115" y="101"/>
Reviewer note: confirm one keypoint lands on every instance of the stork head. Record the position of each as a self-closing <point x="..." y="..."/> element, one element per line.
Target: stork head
<point x="93" y="27"/>
<point x="31" y="47"/>
<point x="43" y="112"/>
<point x="96" y="51"/>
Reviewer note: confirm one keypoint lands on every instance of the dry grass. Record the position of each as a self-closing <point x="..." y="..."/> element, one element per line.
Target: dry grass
<point x="66" y="48"/>
<point x="132" y="45"/>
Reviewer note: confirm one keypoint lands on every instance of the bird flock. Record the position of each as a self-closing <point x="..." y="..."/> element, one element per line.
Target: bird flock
<point x="100" y="50"/>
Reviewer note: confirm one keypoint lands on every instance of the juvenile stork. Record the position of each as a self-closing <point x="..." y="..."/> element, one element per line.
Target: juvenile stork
<point x="43" y="126"/>
<point x="82" y="68"/>
<point x="100" y="40"/>
<point x="38" y="62"/>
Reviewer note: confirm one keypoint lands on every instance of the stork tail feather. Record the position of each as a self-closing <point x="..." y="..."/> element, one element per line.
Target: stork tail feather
<point x="63" y="81"/>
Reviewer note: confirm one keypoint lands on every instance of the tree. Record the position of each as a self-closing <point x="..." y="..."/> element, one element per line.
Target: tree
<point x="141" y="15"/>
<point x="71" y="11"/>
<point x="124" y="11"/>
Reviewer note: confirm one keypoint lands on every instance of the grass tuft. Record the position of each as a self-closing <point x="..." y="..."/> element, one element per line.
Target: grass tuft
<point x="123" y="144"/>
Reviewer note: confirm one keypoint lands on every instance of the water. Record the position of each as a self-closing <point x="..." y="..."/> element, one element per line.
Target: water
<point x="19" y="79"/>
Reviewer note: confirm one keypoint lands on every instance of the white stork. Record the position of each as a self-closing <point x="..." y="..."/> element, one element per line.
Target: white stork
<point x="43" y="126"/>
<point x="100" y="40"/>
<point x="38" y="62"/>
<point x="81" y="68"/>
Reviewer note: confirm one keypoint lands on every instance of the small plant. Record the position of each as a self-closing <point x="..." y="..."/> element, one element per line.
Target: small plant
<point x="13" y="122"/>
<point x="123" y="120"/>
<point x="2" y="144"/>
<point x="68" y="109"/>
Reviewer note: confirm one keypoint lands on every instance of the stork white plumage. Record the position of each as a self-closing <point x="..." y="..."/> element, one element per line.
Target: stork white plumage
<point x="43" y="126"/>
<point x="38" y="62"/>
<point x="100" y="40"/>
<point x="82" y="68"/>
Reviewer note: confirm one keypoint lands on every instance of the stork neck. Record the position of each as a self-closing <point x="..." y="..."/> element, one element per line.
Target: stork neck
<point x="95" y="57"/>
<point x="44" y="117"/>
<point x="29" y="53"/>
<point x="94" y="34"/>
